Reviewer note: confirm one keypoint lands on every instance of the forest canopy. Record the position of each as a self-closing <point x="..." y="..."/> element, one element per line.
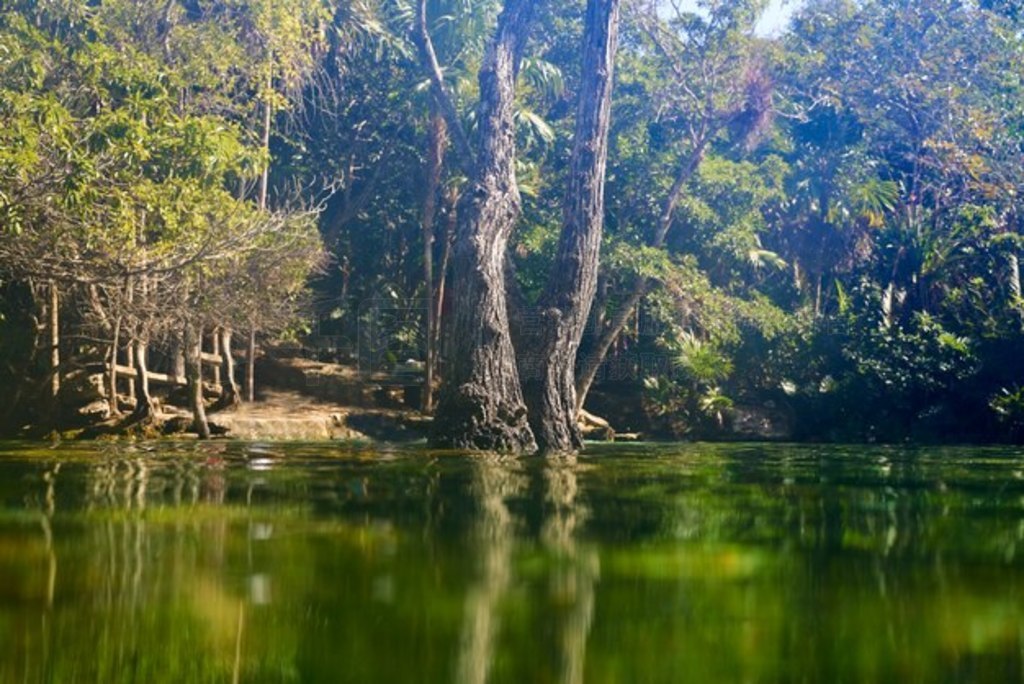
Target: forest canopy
<point x="674" y="219"/>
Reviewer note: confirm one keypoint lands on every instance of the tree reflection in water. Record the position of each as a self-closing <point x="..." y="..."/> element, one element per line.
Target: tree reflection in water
<point x="707" y="563"/>
<point x="575" y="576"/>
<point x="496" y="479"/>
<point x="575" y="568"/>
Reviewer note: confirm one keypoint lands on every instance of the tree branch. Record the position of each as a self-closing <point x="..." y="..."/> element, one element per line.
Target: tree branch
<point x="440" y="91"/>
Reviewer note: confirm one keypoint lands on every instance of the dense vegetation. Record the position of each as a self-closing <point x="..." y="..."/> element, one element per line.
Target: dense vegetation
<point x="826" y="222"/>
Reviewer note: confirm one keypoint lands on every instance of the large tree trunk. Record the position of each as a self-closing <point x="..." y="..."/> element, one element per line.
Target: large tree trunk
<point x="550" y="388"/>
<point x="481" y="403"/>
<point x="435" y="165"/>
<point x="194" y="376"/>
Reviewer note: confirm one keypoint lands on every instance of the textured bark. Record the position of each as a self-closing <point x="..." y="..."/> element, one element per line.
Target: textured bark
<point x="481" y="404"/>
<point x="1017" y="302"/>
<point x="194" y="376"/>
<point x="549" y="378"/>
<point x="1014" y="272"/>
<point x="437" y="143"/>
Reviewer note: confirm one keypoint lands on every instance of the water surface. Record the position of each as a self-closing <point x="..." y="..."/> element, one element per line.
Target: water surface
<point x="267" y="563"/>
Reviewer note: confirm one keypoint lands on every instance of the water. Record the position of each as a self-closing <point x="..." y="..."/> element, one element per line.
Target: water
<point x="228" y="562"/>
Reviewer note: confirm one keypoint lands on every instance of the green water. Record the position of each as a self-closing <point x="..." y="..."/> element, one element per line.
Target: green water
<point x="693" y="563"/>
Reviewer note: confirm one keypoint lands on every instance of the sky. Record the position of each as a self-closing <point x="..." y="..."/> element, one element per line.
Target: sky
<point x="777" y="16"/>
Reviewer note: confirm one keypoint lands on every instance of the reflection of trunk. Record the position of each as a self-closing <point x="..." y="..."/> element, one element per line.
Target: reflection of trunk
<point x="481" y="404"/>
<point x="194" y="377"/>
<point x="565" y="304"/>
<point x="143" y="399"/>
<point x="250" y="367"/>
<point x="494" y="484"/>
<point x="579" y="569"/>
<point x="435" y="163"/>
<point x="230" y="394"/>
<point x="610" y="332"/>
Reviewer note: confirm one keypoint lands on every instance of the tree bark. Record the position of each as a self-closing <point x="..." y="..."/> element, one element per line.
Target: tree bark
<point x="1013" y="273"/>
<point x="193" y="375"/>
<point x="215" y="348"/>
<point x="564" y="306"/>
<point x="250" y="367"/>
<point x="143" y="399"/>
<point x="265" y="142"/>
<point x="178" y="358"/>
<point x="609" y="333"/>
<point x="54" y="320"/>
<point x="451" y="222"/>
<point x="481" y="403"/>
<point x="435" y="165"/>
<point x="230" y="394"/>
<point x="115" y="343"/>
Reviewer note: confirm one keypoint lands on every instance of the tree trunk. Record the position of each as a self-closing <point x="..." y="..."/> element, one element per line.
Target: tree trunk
<point x="115" y="343"/>
<point x="481" y="403"/>
<point x="435" y="166"/>
<point x="230" y="394"/>
<point x="265" y="141"/>
<point x="143" y="399"/>
<point x="194" y="377"/>
<point x="564" y="306"/>
<point x="1014" y="272"/>
<point x="215" y="348"/>
<point x="250" y="367"/>
<point x="178" y="358"/>
<point x="451" y="223"/>
<point x="54" y="316"/>
<point x="593" y="361"/>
